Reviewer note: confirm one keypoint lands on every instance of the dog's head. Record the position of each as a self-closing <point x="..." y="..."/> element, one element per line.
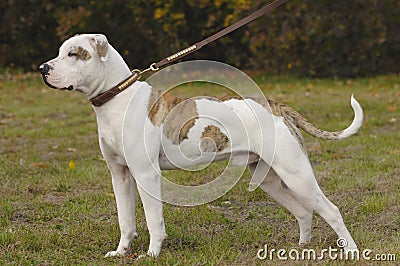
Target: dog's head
<point x="80" y="64"/>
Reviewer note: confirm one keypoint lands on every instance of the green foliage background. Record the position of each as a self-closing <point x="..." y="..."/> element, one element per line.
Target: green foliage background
<point x="303" y="37"/>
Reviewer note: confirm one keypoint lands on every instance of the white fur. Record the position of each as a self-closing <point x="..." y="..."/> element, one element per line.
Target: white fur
<point x="240" y="121"/>
<point x="357" y="122"/>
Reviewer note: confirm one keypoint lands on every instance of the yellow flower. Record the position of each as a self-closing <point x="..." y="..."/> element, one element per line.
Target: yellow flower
<point x="71" y="165"/>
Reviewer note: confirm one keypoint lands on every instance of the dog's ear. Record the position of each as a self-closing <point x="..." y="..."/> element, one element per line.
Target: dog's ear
<point x="100" y="46"/>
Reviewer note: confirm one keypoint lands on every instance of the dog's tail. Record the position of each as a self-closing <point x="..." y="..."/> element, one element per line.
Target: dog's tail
<point x="302" y="123"/>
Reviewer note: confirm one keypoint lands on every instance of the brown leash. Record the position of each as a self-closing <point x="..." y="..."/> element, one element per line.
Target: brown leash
<point x="136" y="74"/>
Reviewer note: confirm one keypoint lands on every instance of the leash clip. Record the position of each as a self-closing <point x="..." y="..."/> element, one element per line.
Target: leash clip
<point x="153" y="67"/>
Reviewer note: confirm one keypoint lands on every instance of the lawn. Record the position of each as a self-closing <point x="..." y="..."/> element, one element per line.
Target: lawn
<point x="57" y="205"/>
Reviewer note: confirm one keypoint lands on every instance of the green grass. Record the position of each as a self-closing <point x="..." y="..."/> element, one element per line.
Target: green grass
<point x="55" y="214"/>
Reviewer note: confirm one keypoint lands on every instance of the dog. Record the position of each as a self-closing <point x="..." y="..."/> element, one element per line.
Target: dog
<point x="87" y="63"/>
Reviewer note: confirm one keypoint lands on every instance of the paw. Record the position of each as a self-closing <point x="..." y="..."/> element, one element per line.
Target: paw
<point x="115" y="253"/>
<point x="153" y="253"/>
<point x="304" y="244"/>
<point x="154" y="250"/>
<point x="155" y="245"/>
<point x="140" y="257"/>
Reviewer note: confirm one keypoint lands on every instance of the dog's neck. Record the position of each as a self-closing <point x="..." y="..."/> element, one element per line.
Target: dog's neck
<point x="116" y="70"/>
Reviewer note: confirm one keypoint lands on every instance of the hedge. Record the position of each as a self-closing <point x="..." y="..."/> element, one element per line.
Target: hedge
<point x="306" y="38"/>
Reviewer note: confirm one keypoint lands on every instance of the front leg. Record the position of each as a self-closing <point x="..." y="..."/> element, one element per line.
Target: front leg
<point x="142" y="145"/>
<point x="125" y="195"/>
<point x="149" y="187"/>
<point x="142" y="160"/>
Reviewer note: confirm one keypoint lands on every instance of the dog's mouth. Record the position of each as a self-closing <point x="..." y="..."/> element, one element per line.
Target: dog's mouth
<point x="44" y="77"/>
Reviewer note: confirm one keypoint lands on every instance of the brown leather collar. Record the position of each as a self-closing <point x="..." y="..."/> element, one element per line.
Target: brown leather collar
<point x="104" y="97"/>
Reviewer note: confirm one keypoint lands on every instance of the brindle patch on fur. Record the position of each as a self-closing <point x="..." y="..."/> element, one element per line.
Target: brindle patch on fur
<point x="102" y="48"/>
<point x="82" y="53"/>
<point x="300" y="122"/>
<point x="213" y="139"/>
<point x="223" y="98"/>
<point x="177" y="115"/>
<point x="270" y="105"/>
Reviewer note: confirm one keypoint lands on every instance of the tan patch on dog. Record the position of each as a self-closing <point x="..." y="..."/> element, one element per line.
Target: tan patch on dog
<point x="213" y="139"/>
<point x="102" y="48"/>
<point x="294" y="120"/>
<point x="228" y="98"/>
<point x="82" y="53"/>
<point x="177" y="115"/>
<point x="300" y="122"/>
<point x="270" y="105"/>
<point x="222" y="98"/>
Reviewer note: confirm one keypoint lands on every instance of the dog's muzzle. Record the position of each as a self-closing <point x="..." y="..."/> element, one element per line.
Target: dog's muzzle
<point x="44" y="69"/>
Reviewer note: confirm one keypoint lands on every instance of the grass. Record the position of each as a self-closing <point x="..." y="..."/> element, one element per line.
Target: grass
<point x="57" y="205"/>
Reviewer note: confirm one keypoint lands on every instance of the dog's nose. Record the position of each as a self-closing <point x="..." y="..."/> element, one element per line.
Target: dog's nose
<point x="44" y="68"/>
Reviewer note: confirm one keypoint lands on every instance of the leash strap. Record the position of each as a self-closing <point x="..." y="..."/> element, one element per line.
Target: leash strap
<point x="195" y="47"/>
<point x="104" y="97"/>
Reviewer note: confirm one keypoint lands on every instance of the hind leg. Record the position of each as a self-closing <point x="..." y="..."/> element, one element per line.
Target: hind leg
<point x="294" y="168"/>
<point x="274" y="186"/>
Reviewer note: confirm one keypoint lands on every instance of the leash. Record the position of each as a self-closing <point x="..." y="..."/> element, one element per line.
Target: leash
<point x="136" y="73"/>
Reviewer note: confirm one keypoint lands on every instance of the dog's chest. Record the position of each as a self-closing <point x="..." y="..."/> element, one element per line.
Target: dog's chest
<point x="110" y="135"/>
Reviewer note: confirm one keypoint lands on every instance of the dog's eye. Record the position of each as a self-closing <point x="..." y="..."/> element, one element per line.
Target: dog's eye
<point x="71" y="54"/>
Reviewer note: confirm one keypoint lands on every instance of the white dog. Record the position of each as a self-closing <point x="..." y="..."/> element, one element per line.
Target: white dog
<point x="89" y="64"/>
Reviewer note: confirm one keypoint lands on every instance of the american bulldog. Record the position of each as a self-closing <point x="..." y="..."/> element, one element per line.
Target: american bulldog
<point x="88" y="64"/>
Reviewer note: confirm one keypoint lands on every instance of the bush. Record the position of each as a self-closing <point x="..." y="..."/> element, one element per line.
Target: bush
<point x="307" y="38"/>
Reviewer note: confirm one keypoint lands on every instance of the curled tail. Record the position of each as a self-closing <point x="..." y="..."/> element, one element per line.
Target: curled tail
<point x="302" y="123"/>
